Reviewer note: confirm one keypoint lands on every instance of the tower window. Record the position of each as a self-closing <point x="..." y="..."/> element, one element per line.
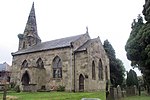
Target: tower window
<point x="23" y="45"/>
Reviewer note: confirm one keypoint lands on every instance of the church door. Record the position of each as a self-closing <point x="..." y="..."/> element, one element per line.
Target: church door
<point x="81" y="83"/>
<point x="25" y="78"/>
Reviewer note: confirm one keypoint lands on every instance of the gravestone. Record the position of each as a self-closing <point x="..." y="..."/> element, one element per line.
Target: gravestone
<point x="113" y="94"/>
<point x="131" y="91"/>
<point x="119" y="92"/>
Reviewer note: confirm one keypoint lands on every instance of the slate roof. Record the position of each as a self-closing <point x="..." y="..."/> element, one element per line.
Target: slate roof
<point x="58" y="43"/>
<point x="86" y="45"/>
<point x="4" y="67"/>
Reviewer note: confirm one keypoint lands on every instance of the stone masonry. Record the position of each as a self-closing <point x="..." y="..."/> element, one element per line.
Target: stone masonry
<point x="79" y="63"/>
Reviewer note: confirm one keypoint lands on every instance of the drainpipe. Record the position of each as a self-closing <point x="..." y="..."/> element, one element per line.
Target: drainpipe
<point x="74" y="69"/>
<point x="71" y="67"/>
<point x="74" y="72"/>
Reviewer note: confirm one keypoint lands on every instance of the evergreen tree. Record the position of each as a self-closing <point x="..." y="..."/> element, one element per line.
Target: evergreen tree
<point x="117" y="69"/>
<point x="138" y="44"/>
<point x="132" y="78"/>
<point x="120" y="72"/>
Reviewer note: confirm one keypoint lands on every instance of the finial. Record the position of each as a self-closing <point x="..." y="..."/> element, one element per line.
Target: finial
<point x="87" y="29"/>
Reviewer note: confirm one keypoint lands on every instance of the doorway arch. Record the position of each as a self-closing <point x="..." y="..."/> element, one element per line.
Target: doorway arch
<point x="25" y="78"/>
<point x="81" y="83"/>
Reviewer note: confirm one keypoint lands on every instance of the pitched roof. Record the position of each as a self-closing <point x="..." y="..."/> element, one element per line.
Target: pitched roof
<point x="4" y="67"/>
<point x="58" y="43"/>
<point x="85" y="45"/>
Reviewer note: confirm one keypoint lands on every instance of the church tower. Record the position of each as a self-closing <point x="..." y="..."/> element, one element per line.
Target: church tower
<point x="30" y="36"/>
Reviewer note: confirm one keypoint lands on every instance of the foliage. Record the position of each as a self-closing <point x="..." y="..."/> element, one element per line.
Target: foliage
<point x="61" y="88"/>
<point x="138" y="44"/>
<point x="109" y="49"/>
<point x="12" y="85"/>
<point x="120" y="72"/>
<point x="132" y="78"/>
<point x="117" y="69"/>
<point x="56" y="95"/>
<point x="17" y="88"/>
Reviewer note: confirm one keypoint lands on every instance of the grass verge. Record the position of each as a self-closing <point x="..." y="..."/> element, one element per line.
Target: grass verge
<point x="55" y="95"/>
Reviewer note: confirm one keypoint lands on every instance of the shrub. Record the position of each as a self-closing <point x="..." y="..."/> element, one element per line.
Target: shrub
<point x="61" y="88"/>
<point x="17" y="88"/>
<point x="12" y="85"/>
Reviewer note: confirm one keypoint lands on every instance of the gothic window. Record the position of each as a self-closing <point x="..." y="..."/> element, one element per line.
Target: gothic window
<point x="39" y="63"/>
<point x="25" y="78"/>
<point x="93" y="70"/>
<point x="57" y="67"/>
<point x="106" y="72"/>
<point x="100" y="67"/>
<point x="81" y="83"/>
<point x="29" y="41"/>
<point x="25" y="64"/>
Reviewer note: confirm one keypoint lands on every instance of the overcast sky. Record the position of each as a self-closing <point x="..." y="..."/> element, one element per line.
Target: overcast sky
<point x="108" y="19"/>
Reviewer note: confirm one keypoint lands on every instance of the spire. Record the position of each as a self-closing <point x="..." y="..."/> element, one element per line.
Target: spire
<point x="31" y="26"/>
<point x="30" y="36"/>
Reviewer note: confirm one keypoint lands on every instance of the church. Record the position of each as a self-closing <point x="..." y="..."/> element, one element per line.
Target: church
<point x="78" y="63"/>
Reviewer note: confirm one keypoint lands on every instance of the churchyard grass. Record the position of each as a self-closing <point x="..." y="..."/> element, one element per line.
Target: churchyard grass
<point x="143" y="96"/>
<point x="55" y="95"/>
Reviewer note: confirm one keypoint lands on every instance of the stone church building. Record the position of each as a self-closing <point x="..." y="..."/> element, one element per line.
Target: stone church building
<point x="78" y="63"/>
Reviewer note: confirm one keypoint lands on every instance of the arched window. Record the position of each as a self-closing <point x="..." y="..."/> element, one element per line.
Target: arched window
<point x="24" y="45"/>
<point x="25" y="64"/>
<point x="93" y="70"/>
<point x="81" y="83"/>
<point x="25" y="78"/>
<point x="57" y="67"/>
<point x="100" y="67"/>
<point x="106" y="72"/>
<point x="39" y="63"/>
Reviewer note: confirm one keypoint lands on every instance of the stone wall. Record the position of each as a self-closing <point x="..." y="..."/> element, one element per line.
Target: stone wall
<point x="96" y="53"/>
<point x="44" y="77"/>
<point x="83" y="61"/>
<point x="79" y="42"/>
<point x="83" y="65"/>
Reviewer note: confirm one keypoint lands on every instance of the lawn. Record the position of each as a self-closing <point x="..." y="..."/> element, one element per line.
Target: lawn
<point x="144" y="96"/>
<point x="56" y="95"/>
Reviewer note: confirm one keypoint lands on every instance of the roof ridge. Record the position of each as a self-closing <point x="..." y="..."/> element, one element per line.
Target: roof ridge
<point x="64" y="38"/>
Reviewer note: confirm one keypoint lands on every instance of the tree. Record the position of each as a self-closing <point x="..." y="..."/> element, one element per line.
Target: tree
<point x="120" y="72"/>
<point x="117" y="69"/>
<point x="138" y="44"/>
<point x="132" y="78"/>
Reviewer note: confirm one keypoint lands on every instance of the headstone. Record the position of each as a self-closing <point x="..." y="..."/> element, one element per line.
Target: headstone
<point x="112" y="94"/>
<point x="131" y="91"/>
<point x="134" y="90"/>
<point x="119" y="93"/>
